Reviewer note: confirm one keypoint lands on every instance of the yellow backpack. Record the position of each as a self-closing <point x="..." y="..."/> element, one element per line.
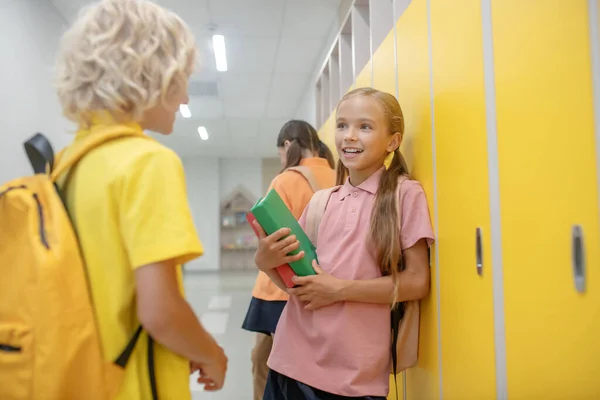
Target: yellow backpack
<point x="49" y="341"/>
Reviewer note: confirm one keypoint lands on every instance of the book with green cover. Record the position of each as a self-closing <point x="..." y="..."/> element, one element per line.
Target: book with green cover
<point x="272" y="214"/>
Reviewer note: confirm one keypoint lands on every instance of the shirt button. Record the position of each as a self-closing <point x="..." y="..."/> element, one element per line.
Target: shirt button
<point x="355" y="194"/>
<point x="353" y="210"/>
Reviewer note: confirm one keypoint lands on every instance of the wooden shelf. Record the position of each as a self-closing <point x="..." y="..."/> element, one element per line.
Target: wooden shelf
<point x="238" y="241"/>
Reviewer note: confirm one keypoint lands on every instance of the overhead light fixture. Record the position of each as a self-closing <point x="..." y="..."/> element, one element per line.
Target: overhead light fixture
<point x="184" y="109"/>
<point x="203" y="133"/>
<point x="220" y="54"/>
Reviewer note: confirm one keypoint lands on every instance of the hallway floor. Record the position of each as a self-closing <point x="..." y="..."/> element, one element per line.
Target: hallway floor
<point x="221" y="301"/>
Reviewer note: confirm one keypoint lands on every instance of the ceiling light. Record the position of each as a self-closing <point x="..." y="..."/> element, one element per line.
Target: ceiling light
<point x="185" y="111"/>
<point x="203" y="133"/>
<point x="220" y="55"/>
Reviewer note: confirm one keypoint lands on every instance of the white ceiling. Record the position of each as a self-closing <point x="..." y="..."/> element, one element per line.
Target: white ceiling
<point x="273" y="49"/>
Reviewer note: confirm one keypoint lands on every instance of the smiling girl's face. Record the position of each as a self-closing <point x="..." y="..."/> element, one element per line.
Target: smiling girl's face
<point x="363" y="138"/>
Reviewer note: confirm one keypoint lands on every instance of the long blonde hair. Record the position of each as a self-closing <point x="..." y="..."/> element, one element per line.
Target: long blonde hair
<point x="122" y="57"/>
<point x="384" y="233"/>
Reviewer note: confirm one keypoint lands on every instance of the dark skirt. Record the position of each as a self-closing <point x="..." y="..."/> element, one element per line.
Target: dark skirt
<point x="263" y="315"/>
<point x="280" y="387"/>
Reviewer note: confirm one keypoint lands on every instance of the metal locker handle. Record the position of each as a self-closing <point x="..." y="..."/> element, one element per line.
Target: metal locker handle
<point x="478" y="252"/>
<point x="578" y="258"/>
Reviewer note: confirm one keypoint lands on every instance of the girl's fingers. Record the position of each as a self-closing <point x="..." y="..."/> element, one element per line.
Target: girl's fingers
<point x="261" y="232"/>
<point x="290" y="247"/>
<point x="279" y="234"/>
<point x="293" y="258"/>
<point x="283" y="243"/>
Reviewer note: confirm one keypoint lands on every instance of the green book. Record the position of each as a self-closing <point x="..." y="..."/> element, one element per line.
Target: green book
<point x="272" y="214"/>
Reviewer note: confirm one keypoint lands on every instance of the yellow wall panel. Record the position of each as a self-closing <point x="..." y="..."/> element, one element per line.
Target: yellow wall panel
<point x="364" y="78"/>
<point x="422" y="382"/>
<point x="327" y="134"/>
<point x="399" y="380"/>
<point x="384" y="66"/>
<point x="548" y="183"/>
<point x="466" y="302"/>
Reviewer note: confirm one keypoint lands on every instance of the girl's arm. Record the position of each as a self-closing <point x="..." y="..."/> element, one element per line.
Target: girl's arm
<point x="276" y="278"/>
<point x="323" y="289"/>
<point x="413" y="281"/>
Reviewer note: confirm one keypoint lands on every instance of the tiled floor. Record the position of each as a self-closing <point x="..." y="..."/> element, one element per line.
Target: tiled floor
<point x="221" y="301"/>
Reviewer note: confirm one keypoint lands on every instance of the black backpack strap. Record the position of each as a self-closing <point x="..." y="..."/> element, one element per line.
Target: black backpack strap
<point x="151" y="372"/>
<point x="40" y="153"/>
<point x="125" y="355"/>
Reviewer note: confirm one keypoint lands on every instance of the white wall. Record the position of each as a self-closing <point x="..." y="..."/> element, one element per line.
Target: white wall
<point x="29" y="35"/>
<point x="240" y="171"/>
<point x="209" y="181"/>
<point x="307" y="110"/>
<point x="202" y="178"/>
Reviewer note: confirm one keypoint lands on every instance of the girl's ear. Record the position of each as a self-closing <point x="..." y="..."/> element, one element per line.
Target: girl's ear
<point x="286" y="144"/>
<point x="394" y="142"/>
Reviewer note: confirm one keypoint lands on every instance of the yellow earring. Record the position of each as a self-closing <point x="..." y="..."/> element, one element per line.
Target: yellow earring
<point x="388" y="160"/>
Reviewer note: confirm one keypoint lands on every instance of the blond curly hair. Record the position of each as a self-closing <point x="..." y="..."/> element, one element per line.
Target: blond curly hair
<point x="122" y="57"/>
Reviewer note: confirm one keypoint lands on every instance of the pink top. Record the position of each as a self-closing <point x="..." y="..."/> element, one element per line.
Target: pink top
<point x="344" y="348"/>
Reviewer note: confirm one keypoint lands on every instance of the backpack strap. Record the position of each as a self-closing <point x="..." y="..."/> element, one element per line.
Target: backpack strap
<point x="40" y="154"/>
<point x="308" y="175"/>
<point x="397" y="312"/>
<point x="316" y="209"/>
<point x="90" y="143"/>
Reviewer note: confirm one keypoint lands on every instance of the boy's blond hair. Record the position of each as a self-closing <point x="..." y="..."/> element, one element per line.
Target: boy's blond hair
<point x="122" y="57"/>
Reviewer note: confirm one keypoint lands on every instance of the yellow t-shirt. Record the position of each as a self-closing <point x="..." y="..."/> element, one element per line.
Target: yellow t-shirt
<point x="129" y="205"/>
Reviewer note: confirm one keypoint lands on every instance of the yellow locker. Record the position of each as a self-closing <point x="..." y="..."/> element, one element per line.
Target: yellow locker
<point x="548" y="187"/>
<point x="400" y="381"/>
<point x="384" y="71"/>
<point x="364" y="78"/>
<point x="466" y="302"/>
<point x="422" y="382"/>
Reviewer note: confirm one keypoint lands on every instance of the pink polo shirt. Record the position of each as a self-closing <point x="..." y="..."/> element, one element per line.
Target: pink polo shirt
<point x="344" y="348"/>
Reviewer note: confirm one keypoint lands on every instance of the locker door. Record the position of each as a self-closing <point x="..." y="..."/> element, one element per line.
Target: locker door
<point x="414" y="95"/>
<point x="466" y="303"/>
<point x="548" y="188"/>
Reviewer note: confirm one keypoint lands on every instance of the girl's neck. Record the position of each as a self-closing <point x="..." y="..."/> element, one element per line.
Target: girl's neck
<point x="306" y="153"/>
<point x="357" y="177"/>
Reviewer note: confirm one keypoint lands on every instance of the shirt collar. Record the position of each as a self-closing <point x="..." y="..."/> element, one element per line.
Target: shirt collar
<point x="103" y="122"/>
<point x="370" y="185"/>
<point x="314" y="161"/>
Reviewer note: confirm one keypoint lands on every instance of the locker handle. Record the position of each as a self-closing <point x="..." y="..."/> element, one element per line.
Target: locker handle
<point x="478" y="252"/>
<point x="578" y="258"/>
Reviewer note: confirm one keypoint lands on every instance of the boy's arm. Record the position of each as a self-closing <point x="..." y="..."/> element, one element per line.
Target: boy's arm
<point x="168" y="318"/>
<point x="158" y="234"/>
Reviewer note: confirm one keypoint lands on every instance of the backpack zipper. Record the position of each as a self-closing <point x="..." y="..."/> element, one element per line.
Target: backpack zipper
<point x="9" y="349"/>
<point x="11" y="188"/>
<point x="42" y="225"/>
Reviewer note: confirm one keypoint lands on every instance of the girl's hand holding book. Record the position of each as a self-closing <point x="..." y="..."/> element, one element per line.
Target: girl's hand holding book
<point x="273" y="249"/>
<point x="318" y="290"/>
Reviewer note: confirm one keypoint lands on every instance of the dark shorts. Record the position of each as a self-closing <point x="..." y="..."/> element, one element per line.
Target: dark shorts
<point x="263" y="315"/>
<point x="280" y="387"/>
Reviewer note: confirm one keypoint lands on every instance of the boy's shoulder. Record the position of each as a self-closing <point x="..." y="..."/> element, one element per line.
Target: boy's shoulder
<point x="138" y="152"/>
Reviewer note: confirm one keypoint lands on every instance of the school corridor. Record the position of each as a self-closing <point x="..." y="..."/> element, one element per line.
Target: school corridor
<point x="221" y="301"/>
